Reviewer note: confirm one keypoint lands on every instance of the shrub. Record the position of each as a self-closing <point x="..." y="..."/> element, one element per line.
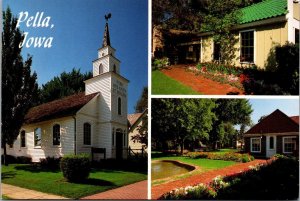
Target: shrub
<point x="226" y="157"/>
<point x="50" y="162"/>
<point x="9" y="159"/>
<point x="158" y="64"/>
<point x="75" y="167"/>
<point x="24" y="159"/>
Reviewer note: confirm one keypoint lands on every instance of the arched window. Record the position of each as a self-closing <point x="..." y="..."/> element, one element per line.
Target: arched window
<point x="37" y="137"/>
<point x="119" y="106"/>
<point x="115" y="69"/>
<point x="87" y="134"/>
<point x="23" y="139"/>
<point x="56" y="134"/>
<point x="100" y="69"/>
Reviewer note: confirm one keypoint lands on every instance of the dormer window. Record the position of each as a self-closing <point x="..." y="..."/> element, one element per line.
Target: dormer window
<point x="100" y="69"/>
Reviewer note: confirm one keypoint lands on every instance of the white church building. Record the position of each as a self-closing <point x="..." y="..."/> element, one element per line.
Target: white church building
<point x="95" y="119"/>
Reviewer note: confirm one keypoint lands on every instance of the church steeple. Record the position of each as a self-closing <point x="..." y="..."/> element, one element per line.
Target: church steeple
<point x="106" y="39"/>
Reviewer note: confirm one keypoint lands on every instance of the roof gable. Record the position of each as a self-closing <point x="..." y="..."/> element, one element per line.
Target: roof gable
<point x="264" y="10"/>
<point x="276" y="122"/>
<point x="59" y="108"/>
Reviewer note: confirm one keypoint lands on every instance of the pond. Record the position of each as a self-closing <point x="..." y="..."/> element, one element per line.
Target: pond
<point x="164" y="169"/>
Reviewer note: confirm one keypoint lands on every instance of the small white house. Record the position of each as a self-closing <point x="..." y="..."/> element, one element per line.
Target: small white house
<point x="96" y="118"/>
<point x="135" y="122"/>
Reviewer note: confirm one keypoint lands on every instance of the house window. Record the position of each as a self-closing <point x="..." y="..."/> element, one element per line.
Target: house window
<point x="37" y="137"/>
<point x="87" y="134"/>
<point x="247" y="47"/>
<point x="271" y="143"/>
<point x="289" y="144"/>
<point x="119" y="106"/>
<point x="100" y="69"/>
<point x="56" y="134"/>
<point x="23" y="139"/>
<point x="217" y="52"/>
<point x="296" y="36"/>
<point x="255" y="144"/>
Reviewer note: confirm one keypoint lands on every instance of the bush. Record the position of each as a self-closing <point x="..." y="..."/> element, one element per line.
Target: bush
<point x="158" y="64"/>
<point x="237" y="157"/>
<point x="9" y="159"/>
<point x="50" y="162"/>
<point x="75" y="167"/>
<point x="24" y="159"/>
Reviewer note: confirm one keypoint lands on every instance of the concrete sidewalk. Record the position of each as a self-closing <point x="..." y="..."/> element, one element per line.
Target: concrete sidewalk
<point x="15" y="192"/>
<point x="130" y="192"/>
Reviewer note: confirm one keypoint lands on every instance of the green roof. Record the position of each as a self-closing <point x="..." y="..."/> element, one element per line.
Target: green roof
<point x="264" y="10"/>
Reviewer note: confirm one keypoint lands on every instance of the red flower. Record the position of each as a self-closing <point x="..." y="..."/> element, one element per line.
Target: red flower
<point x="244" y="78"/>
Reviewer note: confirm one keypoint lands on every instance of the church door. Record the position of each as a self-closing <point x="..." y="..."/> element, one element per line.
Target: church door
<point x="119" y="145"/>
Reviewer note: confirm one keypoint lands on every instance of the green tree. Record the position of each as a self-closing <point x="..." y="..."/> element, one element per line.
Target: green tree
<point x="178" y="120"/>
<point x="219" y="18"/>
<point x="142" y="107"/>
<point x="229" y="111"/>
<point x="64" y="85"/>
<point x="19" y="87"/>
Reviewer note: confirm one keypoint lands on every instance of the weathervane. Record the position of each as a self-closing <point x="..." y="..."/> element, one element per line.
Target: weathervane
<point x="107" y="16"/>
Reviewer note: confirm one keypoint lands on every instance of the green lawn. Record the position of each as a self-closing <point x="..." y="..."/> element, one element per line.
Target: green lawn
<point x="162" y="84"/>
<point x="33" y="177"/>
<point x="224" y="151"/>
<point x="4" y="197"/>
<point x="204" y="164"/>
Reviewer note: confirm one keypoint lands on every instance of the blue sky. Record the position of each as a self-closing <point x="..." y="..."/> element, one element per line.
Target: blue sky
<point x="77" y="34"/>
<point x="266" y="106"/>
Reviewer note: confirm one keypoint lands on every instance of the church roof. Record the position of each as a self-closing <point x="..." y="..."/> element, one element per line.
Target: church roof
<point x="66" y="106"/>
<point x="276" y="122"/>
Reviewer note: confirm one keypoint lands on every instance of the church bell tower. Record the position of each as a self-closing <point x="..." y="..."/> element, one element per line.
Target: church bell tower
<point x="111" y="107"/>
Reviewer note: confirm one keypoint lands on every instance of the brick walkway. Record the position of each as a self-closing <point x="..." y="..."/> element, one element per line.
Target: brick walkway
<point x="158" y="190"/>
<point x="16" y="192"/>
<point x="130" y="192"/>
<point x="199" y="83"/>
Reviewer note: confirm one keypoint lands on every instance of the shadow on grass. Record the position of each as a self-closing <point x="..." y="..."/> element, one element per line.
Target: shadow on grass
<point x="95" y="182"/>
<point x="8" y="175"/>
<point x="35" y="168"/>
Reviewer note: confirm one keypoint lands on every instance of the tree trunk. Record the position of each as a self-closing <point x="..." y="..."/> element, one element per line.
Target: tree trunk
<point x="4" y="155"/>
<point x="182" y="147"/>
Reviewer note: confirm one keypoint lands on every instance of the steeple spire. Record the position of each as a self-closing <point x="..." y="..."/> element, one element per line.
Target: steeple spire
<point x="106" y="39"/>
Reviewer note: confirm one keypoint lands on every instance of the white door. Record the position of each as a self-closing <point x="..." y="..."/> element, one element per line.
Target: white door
<point x="271" y="146"/>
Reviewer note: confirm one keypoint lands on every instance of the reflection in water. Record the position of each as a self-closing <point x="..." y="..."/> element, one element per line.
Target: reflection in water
<point x="163" y="169"/>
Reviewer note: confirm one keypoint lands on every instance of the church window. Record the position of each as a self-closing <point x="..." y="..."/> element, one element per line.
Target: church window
<point x="100" y="69"/>
<point x="115" y="68"/>
<point x="22" y="136"/>
<point x="56" y="134"/>
<point x="37" y="137"/>
<point x="119" y="106"/>
<point x="87" y="134"/>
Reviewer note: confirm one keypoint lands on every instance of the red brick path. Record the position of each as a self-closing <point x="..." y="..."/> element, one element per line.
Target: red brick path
<point x="137" y="190"/>
<point x="206" y="177"/>
<point x="199" y="83"/>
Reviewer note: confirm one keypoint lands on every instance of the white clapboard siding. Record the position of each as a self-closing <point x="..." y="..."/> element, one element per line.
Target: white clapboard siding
<point x="47" y="148"/>
<point x="122" y="119"/>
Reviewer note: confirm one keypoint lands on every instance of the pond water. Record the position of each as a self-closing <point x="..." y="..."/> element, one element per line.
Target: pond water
<point x="163" y="169"/>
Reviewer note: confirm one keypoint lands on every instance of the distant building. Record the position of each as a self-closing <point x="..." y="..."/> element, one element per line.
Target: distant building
<point x="275" y="134"/>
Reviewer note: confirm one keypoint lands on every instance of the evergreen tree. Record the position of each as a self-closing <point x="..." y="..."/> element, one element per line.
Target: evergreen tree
<point x="64" y="85"/>
<point x="19" y="87"/>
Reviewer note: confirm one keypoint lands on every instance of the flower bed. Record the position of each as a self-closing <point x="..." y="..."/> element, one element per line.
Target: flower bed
<point x="222" y="73"/>
<point x="277" y="180"/>
<point x="237" y="157"/>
